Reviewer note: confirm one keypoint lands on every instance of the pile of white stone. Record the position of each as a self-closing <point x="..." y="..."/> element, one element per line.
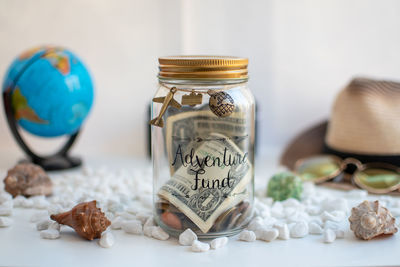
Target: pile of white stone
<point x="126" y="198"/>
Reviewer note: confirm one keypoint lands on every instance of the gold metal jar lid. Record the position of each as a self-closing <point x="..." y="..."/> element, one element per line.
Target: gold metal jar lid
<point x="203" y="67"/>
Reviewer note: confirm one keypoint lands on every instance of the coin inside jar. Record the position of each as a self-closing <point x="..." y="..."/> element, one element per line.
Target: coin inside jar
<point x="171" y="220"/>
<point x="246" y="214"/>
<point x="223" y="220"/>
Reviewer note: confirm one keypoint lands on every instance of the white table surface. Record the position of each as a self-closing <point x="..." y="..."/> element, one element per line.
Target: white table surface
<point x="20" y="245"/>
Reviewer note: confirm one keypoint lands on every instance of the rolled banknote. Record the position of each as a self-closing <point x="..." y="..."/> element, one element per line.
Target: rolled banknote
<point x="189" y="128"/>
<point x="211" y="179"/>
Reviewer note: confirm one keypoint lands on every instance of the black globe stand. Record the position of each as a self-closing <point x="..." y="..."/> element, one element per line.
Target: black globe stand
<point x="58" y="161"/>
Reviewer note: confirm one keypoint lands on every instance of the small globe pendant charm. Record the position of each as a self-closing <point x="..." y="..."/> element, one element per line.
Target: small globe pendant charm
<point x="221" y="104"/>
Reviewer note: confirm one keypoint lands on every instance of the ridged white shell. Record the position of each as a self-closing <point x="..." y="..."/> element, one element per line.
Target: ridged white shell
<point x="370" y="219"/>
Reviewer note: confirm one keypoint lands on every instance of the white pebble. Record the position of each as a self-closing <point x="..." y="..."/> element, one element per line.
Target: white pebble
<point x="150" y="222"/>
<point x="4" y="197"/>
<point x="6" y="208"/>
<point x="255" y="224"/>
<point x="388" y="200"/>
<point x="277" y="210"/>
<point x="116" y="223"/>
<point x="396" y="203"/>
<point x="313" y="210"/>
<point x="291" y="202"/>
<point x="55" y="209"/>
<point x="269" y="222"/>
<point x="290" y="211"/>
<point x="267" y="234"/>
<point x="187" y="237"/>
<point x="308" y="189"/>
<point x="199" y="246"/>
<point x="132" y="227"/>
<point x="267" y="200"/>
<point x="7" y="204"/>
<point x="27" y="203"/>
<point x="37" y="216"/>
<point x="43" y="224"/>
<point x="149" y="226"/>
<point x="106" y="240"/>
<point x="314" y="228"/>
<point x="143" y="216"/>
<point x="128" y="216"/>
<point x="219" y="242"/>
<point x="335" y="204"/>
<point x="54" y="225"/>
<point x="262" y="209"/>
<point x="39" y="202"/>
<point x="5" y="211"/>
<point x="5" y="222"/>
<point x="159" y="233"/>
<point x="87" y="171"/>
<point x="329" y="236"/>
<point x="50" y="234"/>
<point x="283" y="230"/>
<point x="148" y="230"/>
<point x="260" y="206"/>
<point x="133" y="208"/>
<point x="339" y="214"/>
<point x="18" y="201"/>
<point x="299" y="229"/>
<point x="327" y="216"/>
<point x="317" y="220"/>
<point x="316" y="199"/>
<point x="357" y="193"/>
<point x="114" y="206"/>
<point x="146" y="200"/>
<point x="395" y="212"/>
<point x="298" y="216"/>
<point x="248" y="236"/>
<point x="23" y="202"/>
<point x="263" y="213"/>
<point x="339" y="233"/>
<point x="333" y="225"/>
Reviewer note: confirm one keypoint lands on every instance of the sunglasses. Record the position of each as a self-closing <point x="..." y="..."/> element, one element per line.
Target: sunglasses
<point x="376" y="178"/>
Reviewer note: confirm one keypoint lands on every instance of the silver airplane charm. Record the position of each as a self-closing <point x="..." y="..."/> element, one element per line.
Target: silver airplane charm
<point x="168" y="100"/>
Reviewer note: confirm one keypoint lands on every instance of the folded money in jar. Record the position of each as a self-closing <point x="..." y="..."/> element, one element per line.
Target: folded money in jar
<point x="203" y="146"/>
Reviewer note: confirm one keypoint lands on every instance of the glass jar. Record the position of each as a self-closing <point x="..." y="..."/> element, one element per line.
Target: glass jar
<point x="203" y="146"/>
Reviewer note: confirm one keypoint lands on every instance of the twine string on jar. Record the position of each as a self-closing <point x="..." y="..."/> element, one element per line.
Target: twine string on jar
<point x="209" y="92"/>
<point x="221" y="103"/>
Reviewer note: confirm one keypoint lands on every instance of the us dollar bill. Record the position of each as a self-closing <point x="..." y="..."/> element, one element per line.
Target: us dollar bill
<point x="212" y="178"/>
<point x="187" y="129"/>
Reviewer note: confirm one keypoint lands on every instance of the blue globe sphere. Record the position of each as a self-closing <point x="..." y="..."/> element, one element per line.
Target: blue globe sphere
<point x="51" y="91"/>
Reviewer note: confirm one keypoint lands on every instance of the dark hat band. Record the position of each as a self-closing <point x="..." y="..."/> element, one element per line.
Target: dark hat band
<point x="391" y="159"/>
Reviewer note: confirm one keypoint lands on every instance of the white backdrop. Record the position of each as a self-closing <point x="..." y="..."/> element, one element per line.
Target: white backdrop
<point x="301" y="53"/>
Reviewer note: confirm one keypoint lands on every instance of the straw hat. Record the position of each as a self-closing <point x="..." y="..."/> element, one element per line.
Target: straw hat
<point x="365" y="124"/>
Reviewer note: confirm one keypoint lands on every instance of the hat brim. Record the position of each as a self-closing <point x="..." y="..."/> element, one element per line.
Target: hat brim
<point x="308" y="143"/>
<point x="311" y="142"/>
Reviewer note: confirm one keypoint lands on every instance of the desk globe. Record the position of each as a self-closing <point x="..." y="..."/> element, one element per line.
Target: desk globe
<point x="48" y="92"/>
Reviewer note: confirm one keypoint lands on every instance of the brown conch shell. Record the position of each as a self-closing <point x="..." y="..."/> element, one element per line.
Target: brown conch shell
<point x="86" y="218"/>
<point x="27" y="179"/>
<point x="370" y="219"/>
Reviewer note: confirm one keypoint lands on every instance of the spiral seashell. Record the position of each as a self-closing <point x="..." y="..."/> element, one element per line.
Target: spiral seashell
<point x="27" y="179"/>
<point x="86" y="219"/>
<point x="370" y="219"/>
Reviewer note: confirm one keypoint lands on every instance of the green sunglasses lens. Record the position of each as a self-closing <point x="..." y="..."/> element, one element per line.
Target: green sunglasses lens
<point x="318" y="167"/>
<point x="378" y="178"/>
